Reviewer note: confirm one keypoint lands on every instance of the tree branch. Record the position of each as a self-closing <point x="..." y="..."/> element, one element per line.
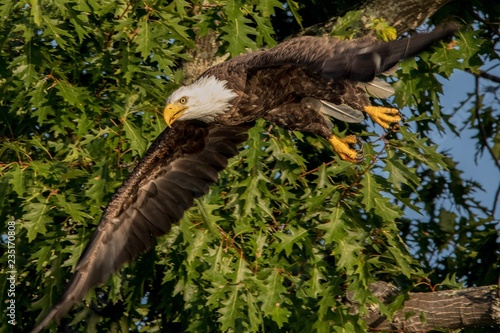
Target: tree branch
<point x="488" y="76"/>
<point x="404" y="16"/>
<point x="482" y="130"/>
<point x="450" y="309"/>
<point x="495" y="201"/>
<point x="485" y="75"/>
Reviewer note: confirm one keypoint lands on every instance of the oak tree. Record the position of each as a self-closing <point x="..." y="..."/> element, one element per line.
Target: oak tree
<point x="291" y="238"/>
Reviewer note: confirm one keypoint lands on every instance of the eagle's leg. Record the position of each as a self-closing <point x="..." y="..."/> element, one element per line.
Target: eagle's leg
<point x="342" y="146"/>
<point x="304" y="117"/>
<point x="382" y="115"/>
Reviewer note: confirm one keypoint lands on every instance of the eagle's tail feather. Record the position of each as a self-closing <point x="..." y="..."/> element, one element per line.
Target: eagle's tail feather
<point x="367" y="59"/>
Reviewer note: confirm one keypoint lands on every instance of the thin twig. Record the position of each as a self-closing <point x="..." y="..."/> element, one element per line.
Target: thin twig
<point x="481" y="125"/>
<point x="495" y="201"/>
<point x="485" y="75"/>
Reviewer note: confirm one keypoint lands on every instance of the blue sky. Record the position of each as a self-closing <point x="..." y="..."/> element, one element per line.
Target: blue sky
<point x="463" y="148"/>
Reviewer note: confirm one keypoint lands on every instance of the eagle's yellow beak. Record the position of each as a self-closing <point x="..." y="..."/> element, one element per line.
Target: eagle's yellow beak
<point x="172" y="112"/>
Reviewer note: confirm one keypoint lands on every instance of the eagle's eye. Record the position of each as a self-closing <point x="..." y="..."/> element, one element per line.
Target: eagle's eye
<point x="183" y="100"/>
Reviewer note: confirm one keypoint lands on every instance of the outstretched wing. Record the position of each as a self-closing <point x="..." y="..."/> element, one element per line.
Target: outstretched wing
<point x="178" y="167"/>
<point x="358" y="60"/>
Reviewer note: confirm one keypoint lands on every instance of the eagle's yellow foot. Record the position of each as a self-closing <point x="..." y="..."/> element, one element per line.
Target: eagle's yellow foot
<point x="342" y="146"/>
<point x="383" y="116"/>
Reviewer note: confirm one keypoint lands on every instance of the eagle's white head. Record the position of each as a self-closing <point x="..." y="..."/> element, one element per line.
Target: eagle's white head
<point x="203" y="100"/>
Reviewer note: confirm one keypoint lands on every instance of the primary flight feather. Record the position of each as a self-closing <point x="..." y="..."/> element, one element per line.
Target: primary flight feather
<point x="299" y="85"/>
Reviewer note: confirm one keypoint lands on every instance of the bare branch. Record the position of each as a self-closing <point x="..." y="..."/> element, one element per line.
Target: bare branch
<point x="485" y="75"/>
<point x="489" y="76"/>
<point x="484" y="137"/>
<point x="495" y="201"/>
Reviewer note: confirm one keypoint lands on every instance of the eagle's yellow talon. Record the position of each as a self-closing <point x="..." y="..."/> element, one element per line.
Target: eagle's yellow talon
<point x="343" y="149"/>
<point x="350" y="139"/>
<point x="383" y="116"/>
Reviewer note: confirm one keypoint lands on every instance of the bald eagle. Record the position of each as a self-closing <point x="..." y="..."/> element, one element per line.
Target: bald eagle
<point x="303" y="84"/>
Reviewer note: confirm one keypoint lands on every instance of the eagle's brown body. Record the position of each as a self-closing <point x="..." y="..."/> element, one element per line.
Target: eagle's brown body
<point x="279" y="99"/>
<point x="282" y="85"/>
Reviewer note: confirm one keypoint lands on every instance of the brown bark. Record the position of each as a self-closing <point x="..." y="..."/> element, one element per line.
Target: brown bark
<point x="450" y="309"/>
<point x="204" y="57"/>
<point x="403" y="15"/>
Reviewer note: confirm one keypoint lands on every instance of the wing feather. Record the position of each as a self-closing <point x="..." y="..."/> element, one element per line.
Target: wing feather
<point x="179" y="166"/>
<point x="149" y="222"/>
<point x="183" y="180"/>
<point x="359" y="60"/>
